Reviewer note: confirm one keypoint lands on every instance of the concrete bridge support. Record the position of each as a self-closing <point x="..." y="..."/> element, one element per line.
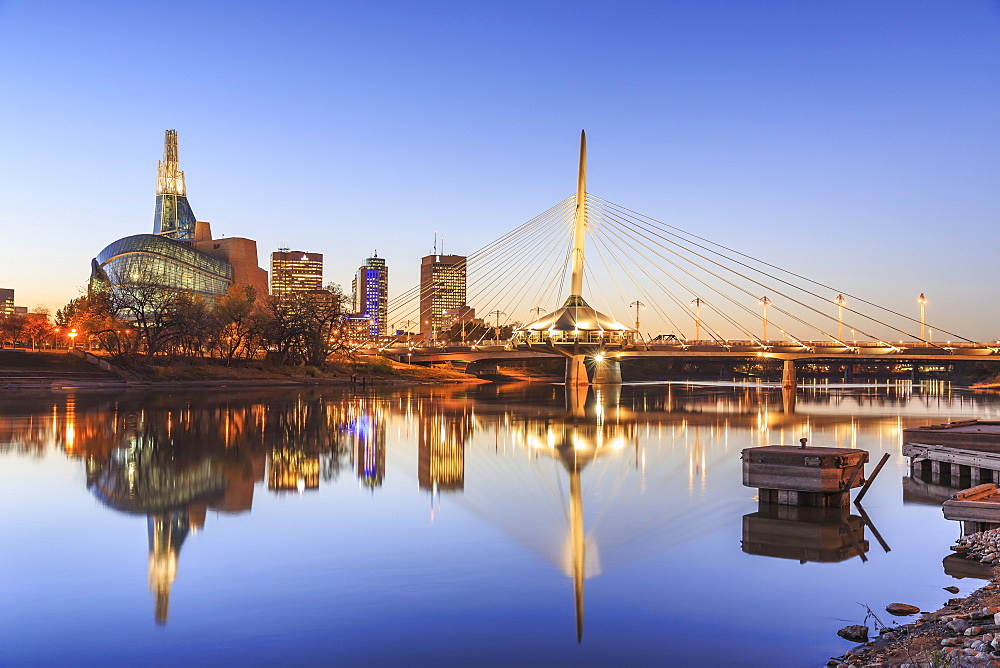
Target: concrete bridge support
<point x="788" y="374"/>
<point x="576" y="370"/>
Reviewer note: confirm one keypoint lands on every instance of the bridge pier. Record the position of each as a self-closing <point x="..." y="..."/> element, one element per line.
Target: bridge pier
<point x="576" y="370"/>
<point x="788" y="374"/>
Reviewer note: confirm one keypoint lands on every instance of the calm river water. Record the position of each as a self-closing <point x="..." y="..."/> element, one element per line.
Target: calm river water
<point x="493" y="524"/>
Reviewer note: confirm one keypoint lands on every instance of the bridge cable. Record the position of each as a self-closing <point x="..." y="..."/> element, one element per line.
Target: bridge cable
<point x="791" y="273"/>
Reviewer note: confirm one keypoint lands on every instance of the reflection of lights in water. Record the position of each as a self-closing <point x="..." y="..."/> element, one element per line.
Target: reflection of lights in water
<point x="70" y="433"/>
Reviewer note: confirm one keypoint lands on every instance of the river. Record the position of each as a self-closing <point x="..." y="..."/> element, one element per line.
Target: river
<point x="489" y="524"/>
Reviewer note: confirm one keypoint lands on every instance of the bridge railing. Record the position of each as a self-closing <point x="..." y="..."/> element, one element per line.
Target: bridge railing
<point x="571" y="336"/>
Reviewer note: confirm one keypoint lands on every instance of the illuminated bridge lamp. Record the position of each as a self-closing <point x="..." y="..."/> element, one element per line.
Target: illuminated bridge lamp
<point x="923" y="302"/>
<point x="765" y="302"/>
<point x="841" y="303"/>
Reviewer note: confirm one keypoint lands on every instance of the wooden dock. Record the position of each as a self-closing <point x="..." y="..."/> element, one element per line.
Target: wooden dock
<point x="956" y="454"/>
<point x="971" y="434"/>
<point x="978" y="508"/>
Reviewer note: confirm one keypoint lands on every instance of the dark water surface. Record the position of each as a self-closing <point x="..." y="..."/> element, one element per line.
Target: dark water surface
<point x="492" y="524"/>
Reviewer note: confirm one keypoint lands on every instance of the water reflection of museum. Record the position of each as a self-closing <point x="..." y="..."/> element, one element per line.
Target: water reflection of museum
<point x="172" y="460"/>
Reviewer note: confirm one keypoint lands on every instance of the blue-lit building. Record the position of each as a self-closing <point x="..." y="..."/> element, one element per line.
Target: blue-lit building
<point x="371" y="294"/>
<point x="181" y="253"/>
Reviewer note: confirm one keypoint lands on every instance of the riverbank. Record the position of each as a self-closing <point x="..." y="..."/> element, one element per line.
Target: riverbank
<point x="964" y="632"/>
<point x="60" y="372"/>
<point x="985" y="386"/>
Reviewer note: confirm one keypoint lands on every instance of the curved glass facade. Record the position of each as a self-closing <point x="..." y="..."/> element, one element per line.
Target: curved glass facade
<point x="157" y="260"/>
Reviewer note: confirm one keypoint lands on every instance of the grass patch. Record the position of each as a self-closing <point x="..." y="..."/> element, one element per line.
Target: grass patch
<point x="199" y="369"/>
<point x="42" y="361"/>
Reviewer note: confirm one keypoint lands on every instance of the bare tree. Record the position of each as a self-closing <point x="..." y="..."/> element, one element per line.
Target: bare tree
<point x="235" y="314"/>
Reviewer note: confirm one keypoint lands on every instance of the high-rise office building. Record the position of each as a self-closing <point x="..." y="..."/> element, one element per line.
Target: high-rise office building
<point x="442" y="288"/>
<point x="371" y="294"/>
<point x="6" y="301"/>
<point x="295" y="272"/>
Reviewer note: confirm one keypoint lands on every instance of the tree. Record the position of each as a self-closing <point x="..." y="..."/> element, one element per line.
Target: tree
<point x="234" y="312"/>
<point x="198" y="325"/>
<point x="10" y="328"/>
<point x="36" y="326"/>
<point x="307" y="328"/>
<point x="149" y="309"/>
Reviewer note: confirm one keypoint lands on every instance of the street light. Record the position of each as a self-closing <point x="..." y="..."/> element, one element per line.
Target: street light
<point x="923" y="302"/>
<point x="696" y="303"/>
<point x="496" y="328"/>
<point x="765" y="302"/>
<point x="72" y="337"/>
<point x="841" y="303"/>
<point x="637" y="304"/>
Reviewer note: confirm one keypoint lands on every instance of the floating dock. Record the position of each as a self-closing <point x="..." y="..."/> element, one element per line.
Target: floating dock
<point x="803" y="476"/>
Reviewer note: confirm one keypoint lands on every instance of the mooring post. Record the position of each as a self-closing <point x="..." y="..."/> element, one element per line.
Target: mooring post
<point x="788" y="374"/>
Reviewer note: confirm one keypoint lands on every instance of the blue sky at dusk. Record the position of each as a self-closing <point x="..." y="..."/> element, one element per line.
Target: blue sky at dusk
<point x="854" y="142"/>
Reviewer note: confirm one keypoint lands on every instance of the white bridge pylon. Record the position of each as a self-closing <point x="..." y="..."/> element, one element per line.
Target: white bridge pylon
<point x="576" y="330"/>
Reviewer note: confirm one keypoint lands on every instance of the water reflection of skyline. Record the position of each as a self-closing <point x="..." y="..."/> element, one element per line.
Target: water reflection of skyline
<point x="586" y="492"/>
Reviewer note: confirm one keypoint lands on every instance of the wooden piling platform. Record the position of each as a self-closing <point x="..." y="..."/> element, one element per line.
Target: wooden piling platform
<point x="803" y="476"/>
<point x="970" y="434"/>
<point x="979" y="504"/>
<point x="956" y="454"/>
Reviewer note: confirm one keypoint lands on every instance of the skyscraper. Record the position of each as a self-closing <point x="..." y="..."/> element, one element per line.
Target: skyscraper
<point x="6" y="301"/>
<point x="295" y="272"/>
<point x="442" y="288"/>
<point x="371" y="294"/>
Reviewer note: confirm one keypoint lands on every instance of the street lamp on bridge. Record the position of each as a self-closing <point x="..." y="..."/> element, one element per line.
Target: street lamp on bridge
<point x="496" y="327"/>
<point x="923" y="302"/>
<point x="637" y="304"/>
<point x="696" y="303"/>
<point x="765" y="302"/>
<point x="841" y="303"/>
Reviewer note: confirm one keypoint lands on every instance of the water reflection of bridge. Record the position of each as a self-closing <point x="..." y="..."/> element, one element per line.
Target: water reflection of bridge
<point x="584" y="500"/>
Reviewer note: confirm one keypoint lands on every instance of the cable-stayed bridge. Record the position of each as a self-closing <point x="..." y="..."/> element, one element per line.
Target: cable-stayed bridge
<point x="662" y="292"/>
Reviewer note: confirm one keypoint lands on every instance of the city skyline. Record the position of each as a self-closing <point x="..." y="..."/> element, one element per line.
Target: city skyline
<point x="775" y="129"/>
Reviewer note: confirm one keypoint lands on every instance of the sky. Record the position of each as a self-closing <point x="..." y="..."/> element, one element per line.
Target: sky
<point x="853" y="142"/>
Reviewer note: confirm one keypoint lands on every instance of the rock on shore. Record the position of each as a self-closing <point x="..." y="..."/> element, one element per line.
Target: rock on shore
<point x="965" y="632"/>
